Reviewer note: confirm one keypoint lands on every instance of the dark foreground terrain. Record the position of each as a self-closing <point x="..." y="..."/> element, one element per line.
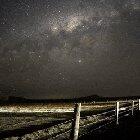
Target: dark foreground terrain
<point x="128" y="128"/>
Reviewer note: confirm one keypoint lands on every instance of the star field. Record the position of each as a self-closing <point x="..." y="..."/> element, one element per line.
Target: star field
<point x="66" y="49"/>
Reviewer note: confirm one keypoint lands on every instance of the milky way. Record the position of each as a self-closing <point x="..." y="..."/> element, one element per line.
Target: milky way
<point x="69" y="48"/>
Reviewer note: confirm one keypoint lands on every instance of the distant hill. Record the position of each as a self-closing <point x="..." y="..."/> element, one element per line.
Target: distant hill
<point x="92" y="98"/>
<point x="14" y="99"/>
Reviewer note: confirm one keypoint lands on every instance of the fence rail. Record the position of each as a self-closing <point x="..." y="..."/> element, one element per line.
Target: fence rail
<point x="122" y="109"/>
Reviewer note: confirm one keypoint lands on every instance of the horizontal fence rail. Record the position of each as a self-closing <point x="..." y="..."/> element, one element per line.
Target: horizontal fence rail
<point x="122" y="109"/>
<point x="83" y="125"/>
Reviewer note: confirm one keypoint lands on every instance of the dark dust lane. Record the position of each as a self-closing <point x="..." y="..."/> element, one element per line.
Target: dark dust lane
<point x="128" y="128"/>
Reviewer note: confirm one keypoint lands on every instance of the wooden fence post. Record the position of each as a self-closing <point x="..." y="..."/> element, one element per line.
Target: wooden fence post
<point x="76" y="121"/>
<point x="117" y="112"/>
<point x="139" y="104"/>
<point x="132" y="107"/>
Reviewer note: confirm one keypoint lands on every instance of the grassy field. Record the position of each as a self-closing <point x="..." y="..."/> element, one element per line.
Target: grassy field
<point x="44" y="116"/>
<point x="21" y="115"/>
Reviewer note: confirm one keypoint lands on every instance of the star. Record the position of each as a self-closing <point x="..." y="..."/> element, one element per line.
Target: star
<point x="79" y="60"/>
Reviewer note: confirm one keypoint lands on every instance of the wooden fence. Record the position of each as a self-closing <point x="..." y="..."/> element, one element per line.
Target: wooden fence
<point x="110" y="116"/>
<point x="82" y="125"/>
<point x="127" y="110"/>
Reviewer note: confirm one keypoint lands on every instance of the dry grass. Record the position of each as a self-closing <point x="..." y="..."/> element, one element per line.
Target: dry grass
<point x="18" y="116"/>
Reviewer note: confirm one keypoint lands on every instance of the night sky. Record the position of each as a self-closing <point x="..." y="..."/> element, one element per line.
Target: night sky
<point x="69" y="48"/>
